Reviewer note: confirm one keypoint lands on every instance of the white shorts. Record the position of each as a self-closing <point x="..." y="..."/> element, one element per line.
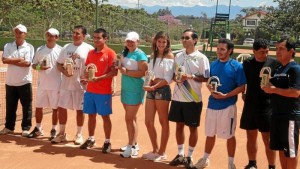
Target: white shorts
<point x="69" y="99"/>
<point x="221" y="122"/>
<point x="47" y="98"/>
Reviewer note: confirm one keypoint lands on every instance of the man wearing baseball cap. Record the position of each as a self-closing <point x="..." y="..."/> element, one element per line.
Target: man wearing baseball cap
<point x="49" y="79"/>
<point x="18" y="55"/>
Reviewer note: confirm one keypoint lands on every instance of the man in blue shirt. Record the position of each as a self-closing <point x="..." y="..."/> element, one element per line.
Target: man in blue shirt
<point x="221" y="115"/>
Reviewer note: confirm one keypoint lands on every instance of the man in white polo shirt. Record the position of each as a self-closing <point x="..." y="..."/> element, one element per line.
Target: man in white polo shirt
<point x="18" y="55"/>
<point x="49" y="81"/>
<point x="71" y="90"/>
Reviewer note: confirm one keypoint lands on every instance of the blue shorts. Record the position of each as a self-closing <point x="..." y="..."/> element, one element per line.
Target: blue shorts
<point x="132" y="98"/>
<point x="97" y="103"/>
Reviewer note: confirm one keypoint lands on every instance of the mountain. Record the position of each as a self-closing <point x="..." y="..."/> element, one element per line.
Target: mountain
<point x="197" y="10"/>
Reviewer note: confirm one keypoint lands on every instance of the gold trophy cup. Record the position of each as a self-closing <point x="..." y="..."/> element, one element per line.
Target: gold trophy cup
<point x="215" y="82"/>
<point x="180" y="70"/>
<point x="149" y="75"/>
<point x="68" y="65"/>
<point x="91" y="69"/>
<point x="265" y="74"/>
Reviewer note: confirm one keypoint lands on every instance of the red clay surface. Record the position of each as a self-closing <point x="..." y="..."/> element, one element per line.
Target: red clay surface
<point x="22" y="153"/>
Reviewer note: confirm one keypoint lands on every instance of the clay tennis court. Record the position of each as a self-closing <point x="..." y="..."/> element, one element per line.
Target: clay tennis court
<point x="17" y="152"/>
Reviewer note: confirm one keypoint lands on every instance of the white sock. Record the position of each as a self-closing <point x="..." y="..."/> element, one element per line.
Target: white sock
<point x="54" y="127"/>
<point x="206" y="155"/>
<point x="107" y="140"/>
<point x="39" y="126"/>
<point x="79" y="130"/>
<point x="191" y="150"/>
<point x="62" y="128"/>
<point x="230" y="159"/>
<point x="92" y="138"/>
<point x="181" y="149"/>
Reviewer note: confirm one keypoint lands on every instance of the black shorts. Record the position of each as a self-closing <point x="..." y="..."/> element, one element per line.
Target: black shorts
<point x="163" y="93"/>
<point x="253" y="121"/>
<point x="186" y="112"/>
<point x="284" y="135"/>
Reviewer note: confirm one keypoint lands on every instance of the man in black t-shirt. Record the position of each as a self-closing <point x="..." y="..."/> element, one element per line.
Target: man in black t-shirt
<point x="257" y="107"/>
<point x="285" y="100"/>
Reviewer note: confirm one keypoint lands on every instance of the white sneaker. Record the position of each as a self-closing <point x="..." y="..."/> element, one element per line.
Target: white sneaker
<point x="78" y="140"/>
<point x="149" y="155"/>
<point x="202" y="163"/>
<point x="127" y="153"/>
<point x="231" y="166"/>
<point x="134" y="153"/>
<point x="137" y="147"/>
<point x="6" y="131"/>
<point x="160" y="158"/>
<point x="59" y="138"/>
<point x="130" y="152"/>
<point x="25" y="133"/>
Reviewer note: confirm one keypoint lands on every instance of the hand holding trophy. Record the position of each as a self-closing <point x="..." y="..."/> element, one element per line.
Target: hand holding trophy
<point x="149" y="76"/>
<point x="91" y="69"/>
<point x="265" y="74"/>
<point x="69" y="66"/>
<point x="180" y="70"/>
<point x="214" y="82"/>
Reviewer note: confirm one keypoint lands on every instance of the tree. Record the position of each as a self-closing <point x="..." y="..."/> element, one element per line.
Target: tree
<point x="39" y="15"/>
<point x="162" y="12"/>
<point x="282" y="20"/>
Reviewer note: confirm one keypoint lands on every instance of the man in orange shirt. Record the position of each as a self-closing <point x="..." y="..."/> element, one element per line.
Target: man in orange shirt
<point x="98" y="96"/>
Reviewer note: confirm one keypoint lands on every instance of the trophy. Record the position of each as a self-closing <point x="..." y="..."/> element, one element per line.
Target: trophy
<point x="180" y="70"/>
<point x="265" y="74"/>
<point x="149" y="75"/>
<point x="117" y="63"/>
<point x="119" y="60"/>
<point x="242" y="57"/>
<point x="46" y="62"/>
<point x="91" y="69"/>
<point x="214" y="81"/>
<point x="68" y="65"/>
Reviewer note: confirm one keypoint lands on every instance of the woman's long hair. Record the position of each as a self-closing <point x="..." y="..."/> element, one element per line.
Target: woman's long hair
<point x="158" y="35"/>
<point x="125" y="51"/>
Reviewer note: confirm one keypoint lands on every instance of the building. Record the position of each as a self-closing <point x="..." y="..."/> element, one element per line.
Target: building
<point x="251" y="22"/>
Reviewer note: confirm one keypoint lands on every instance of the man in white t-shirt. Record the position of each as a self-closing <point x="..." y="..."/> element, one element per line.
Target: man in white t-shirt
<point x="186" y="105"/>
<point x="71" y="90"/>
<point x="49" y="81"/>
<point x="18" y="55"/>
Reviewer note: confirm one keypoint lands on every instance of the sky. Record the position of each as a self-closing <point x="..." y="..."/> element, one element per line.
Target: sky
<point x="242" y="3"/>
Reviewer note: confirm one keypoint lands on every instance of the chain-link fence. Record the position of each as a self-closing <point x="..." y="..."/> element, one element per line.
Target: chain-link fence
<point x="19" y="110"/>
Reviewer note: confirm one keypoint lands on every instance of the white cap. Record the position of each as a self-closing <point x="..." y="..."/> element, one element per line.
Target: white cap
<point x="21" y="28"/>
<point x="53" y="32"/>
<point x="133" y="36"/>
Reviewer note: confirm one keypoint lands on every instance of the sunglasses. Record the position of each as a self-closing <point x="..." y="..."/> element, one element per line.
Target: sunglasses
<point x="185" y="38"/>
